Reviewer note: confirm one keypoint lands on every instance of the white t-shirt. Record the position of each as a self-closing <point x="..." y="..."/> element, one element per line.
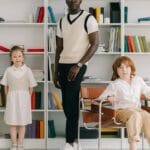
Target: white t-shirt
<point x="127" y="95"/>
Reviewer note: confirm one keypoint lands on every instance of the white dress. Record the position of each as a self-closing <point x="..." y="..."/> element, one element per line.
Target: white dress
<point x="18" y="105"/>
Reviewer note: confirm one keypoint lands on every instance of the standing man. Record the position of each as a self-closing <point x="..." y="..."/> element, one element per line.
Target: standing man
<point x="77" y="41"/>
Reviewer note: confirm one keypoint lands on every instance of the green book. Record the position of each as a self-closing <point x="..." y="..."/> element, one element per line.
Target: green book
<point x="51" y="129"/>
<point x="126" y="14"/>
<point x="145" y="45"/>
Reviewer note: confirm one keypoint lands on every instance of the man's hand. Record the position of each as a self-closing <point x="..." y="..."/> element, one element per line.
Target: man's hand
<point x="74" y="70"/>
<point x="56" y="81"/>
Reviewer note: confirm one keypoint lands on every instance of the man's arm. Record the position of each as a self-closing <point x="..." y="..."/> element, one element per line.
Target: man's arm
<point x="59" y="48"/>
<point x="94" y="41"/>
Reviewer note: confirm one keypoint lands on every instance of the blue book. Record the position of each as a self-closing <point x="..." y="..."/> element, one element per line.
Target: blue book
<point x="144" y="19"/>
<point x="51" y="14"/>
<point x="51" y="104"/>
<point x="33" y="133"/>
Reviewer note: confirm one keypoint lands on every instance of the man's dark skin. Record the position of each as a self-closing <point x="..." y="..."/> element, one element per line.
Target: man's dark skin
<point x="74" y="8"/>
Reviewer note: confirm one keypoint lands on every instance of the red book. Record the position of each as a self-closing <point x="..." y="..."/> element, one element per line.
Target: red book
<point x="130" y="43"/>
<point x="33" y="101"/>
<point x="41" y="15"/>
<point x="35" y="50"/>
<point x="4" y="49"/>
<point x="37" y="129"/>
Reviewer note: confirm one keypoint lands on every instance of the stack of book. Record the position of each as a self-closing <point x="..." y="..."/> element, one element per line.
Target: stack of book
<point x="136" y="44"/>
<point x="36" y="100"/>
<point x="98" y="13"/>
<point x="39" y="16"/>
<point x="54" y="101"/>
<point x="35" y="130"/>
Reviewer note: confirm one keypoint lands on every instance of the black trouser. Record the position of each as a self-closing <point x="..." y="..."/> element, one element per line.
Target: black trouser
<point x="70" y="99"/>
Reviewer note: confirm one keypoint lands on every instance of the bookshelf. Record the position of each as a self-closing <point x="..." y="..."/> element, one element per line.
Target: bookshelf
<point x="18" y="29"/>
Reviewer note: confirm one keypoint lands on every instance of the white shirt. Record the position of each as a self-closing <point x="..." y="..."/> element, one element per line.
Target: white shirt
<point x="127" y="95"/>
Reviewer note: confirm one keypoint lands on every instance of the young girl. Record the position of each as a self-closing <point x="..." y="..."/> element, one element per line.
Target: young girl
<point x="18" y="81"/>
<point x="125" y="92"/>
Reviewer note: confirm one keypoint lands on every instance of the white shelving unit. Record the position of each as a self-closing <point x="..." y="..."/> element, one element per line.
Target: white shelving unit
<point x="18" y="30"/>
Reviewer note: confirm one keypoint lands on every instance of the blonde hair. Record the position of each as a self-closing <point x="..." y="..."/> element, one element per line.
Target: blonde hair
<point x="123" y="59"/>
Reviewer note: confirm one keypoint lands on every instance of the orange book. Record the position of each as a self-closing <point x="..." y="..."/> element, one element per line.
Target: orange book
<point x="41" y="129"/>
<point x="130" y="43"/>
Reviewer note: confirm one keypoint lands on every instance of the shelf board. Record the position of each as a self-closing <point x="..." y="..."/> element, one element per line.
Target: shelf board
<point x="97" y="53"/>
<point x="107" y="53"/>
<point x="109" y="24"/>
<point x="94" y="82"/>
<point x="13" y="24"/>
<point x="26" y="53"/>
<point x="52" y="24"/>
<point x="2" y="109"/>
<point x="136" y="24"/>
<point x="33" y="110"/>
<point x="55" y="110"/>
<point x="38" y="110"/>
<point x="137" y="53"/>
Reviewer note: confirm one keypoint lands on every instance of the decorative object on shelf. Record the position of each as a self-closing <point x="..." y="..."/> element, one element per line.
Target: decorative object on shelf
<point x="144" y="19"/>
<point x="2" y="20"/>
<point x="106" y="20"/>
<point x="115" y="13"/>
<point x="126" y="14"/>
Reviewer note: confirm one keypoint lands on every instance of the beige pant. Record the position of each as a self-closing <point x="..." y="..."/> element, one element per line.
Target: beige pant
<point x="137" y="121"/>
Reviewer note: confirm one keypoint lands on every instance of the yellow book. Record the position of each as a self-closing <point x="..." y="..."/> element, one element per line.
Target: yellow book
<point x="109" y="130"/>
<point x="97" y="13"/>
<point x="57" y="100"/>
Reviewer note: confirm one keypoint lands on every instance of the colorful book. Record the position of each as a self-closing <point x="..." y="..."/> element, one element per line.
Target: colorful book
<point x="97" y="13"/>
<point x="41" y="129"/>
<point x="51" y="129"/>
<point x="126" y="14"/>
<point x="51" y="14"/>
<point x="41" y="15"/>
<point x="51" y="104"/>
<point x="35" y="50"/>
<point x="4" y="49"/>
<point x="38" y="99"/>
<point x="57" y="100"/>
<point x="33" y="101"/>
